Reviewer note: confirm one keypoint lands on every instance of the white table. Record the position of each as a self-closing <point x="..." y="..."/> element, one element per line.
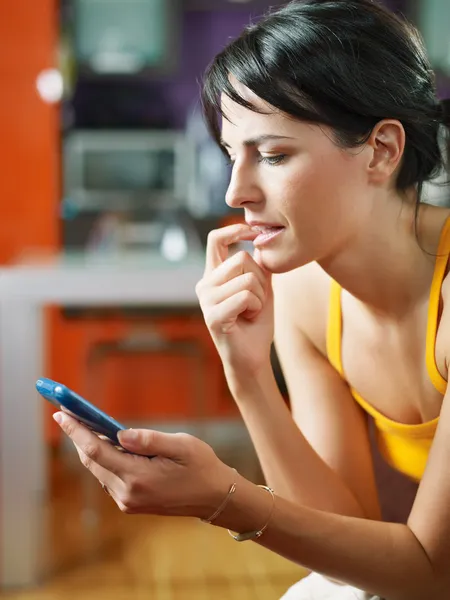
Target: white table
<point x="24" y="292"/>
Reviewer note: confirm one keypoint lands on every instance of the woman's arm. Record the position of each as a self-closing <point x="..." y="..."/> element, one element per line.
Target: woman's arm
<point x="322" y="457"/>
<point x="290" y="463"/>
<point x="330" y="470"/>
<point x="394" y="561"/>
<point x="385" y="559"/>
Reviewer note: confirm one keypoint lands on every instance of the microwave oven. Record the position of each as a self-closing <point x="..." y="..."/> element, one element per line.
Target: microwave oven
<point x="125" y="169"/>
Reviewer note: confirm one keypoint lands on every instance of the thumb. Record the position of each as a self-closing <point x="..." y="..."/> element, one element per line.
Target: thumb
<point x="150" y="443"/>
<point x="257" y="257"/>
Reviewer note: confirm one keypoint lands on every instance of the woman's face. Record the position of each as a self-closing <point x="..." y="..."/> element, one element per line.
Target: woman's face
<point x="306" y="194"/>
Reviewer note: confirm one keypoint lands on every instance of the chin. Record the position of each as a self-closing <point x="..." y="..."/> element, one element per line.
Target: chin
<point x="276" y="263"/>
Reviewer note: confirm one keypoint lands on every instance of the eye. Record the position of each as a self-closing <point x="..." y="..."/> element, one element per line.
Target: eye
<point x="272" y="160"/>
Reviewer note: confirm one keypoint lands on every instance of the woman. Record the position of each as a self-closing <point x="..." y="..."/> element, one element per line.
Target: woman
<point x="331" y="121"/>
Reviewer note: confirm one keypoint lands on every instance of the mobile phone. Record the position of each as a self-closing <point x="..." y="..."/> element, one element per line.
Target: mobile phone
<point x="64" y="398"/>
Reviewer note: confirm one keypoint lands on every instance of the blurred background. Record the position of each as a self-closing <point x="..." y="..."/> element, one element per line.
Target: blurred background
<point x="110" y="184"/>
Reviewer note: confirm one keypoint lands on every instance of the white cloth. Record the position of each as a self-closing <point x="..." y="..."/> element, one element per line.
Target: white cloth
<point x="317" y="587"/>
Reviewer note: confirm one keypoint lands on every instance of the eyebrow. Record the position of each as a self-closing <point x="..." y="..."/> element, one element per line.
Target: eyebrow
<point x="258" y="140"/>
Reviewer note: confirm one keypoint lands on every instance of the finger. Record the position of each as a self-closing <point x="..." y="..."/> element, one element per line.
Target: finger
<point x="97" y="451"/>
<point x="219" y="241"/>
<point x="104" y="438"/>
<point x="257" y="257"/>
<point x="112" y="482"/>
<point x="107" y="439"/>
<point x="223" y="316"/>
<point x="236" y="265"/>
<point x="247" y="281"/>
<point x="157" y="443"/>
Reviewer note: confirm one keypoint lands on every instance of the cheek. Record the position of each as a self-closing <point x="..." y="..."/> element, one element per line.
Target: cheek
<point x="332" y="182"/>
<point x="319" y="196"/>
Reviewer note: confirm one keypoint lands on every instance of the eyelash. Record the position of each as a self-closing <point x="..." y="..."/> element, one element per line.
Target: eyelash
<point x="272" y="160"/>
<point x="268" y="160"/>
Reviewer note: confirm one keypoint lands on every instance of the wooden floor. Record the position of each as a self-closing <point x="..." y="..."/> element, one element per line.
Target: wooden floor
<point x="101" y="554"/>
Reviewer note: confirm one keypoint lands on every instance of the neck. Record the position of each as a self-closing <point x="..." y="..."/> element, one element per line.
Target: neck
<point x="388" y="263"/>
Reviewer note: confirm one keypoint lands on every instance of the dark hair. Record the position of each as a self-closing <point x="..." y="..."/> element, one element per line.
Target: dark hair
<point x="342" y="63"/>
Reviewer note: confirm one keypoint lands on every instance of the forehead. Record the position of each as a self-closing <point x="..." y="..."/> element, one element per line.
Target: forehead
<point x="234" y="112"/>
<point x="240" y="124"/>
<point x="239" y="120"/>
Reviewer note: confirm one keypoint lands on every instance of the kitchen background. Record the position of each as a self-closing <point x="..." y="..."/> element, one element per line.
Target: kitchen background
<point x="106" y="160"/>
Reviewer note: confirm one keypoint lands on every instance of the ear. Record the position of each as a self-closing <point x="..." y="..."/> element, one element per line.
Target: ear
<point x="387" y="142"/>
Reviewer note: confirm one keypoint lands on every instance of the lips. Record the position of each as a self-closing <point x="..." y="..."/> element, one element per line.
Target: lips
<point x="266" y="228"/>
<point x="266" y="234"/>
<point x="262" y="225"/>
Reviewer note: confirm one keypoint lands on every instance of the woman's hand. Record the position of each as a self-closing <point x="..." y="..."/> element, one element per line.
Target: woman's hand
<point x="185" y="477"/>
<point x="236" y="298"/>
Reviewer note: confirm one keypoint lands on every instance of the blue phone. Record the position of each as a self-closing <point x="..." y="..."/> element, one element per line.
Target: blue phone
<point x="82" y="410"/>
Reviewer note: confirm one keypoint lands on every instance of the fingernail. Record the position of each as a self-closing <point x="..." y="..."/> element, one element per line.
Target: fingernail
<point x="58" y="418"/>
<point x="129" y="435"/>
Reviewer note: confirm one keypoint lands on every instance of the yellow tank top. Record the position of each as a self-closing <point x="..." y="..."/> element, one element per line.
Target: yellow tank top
<point x="404" y="447"/>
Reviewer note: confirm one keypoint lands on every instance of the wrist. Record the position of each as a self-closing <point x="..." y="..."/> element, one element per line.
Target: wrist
<point x="223" y="483"/>
<point x="247" y="363"/>
<point x="249" y="508"/>
<point x="223" y="504"/>
<point x="244" y="380"/>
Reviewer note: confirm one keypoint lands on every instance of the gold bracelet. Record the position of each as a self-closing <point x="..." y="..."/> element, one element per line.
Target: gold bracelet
<point x="223" y="505"/>
<point x="243" y="537"/>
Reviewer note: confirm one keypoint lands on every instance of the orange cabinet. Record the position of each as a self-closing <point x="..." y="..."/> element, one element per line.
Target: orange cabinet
<point x="145" y="386"/>
<point x="129" y="386"/>
<point x="29" y="149"/>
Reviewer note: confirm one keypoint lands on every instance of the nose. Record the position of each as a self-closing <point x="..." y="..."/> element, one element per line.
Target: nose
<point x="242" y="189"/>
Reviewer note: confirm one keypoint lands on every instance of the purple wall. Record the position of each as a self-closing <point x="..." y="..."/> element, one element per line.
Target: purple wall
<point x="205" y="33"/>
<point x="167" y="101"/>
<point x="104" y="103"/>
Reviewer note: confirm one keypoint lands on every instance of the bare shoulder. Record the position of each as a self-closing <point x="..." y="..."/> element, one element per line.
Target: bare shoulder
<point x="302" y="297"/>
